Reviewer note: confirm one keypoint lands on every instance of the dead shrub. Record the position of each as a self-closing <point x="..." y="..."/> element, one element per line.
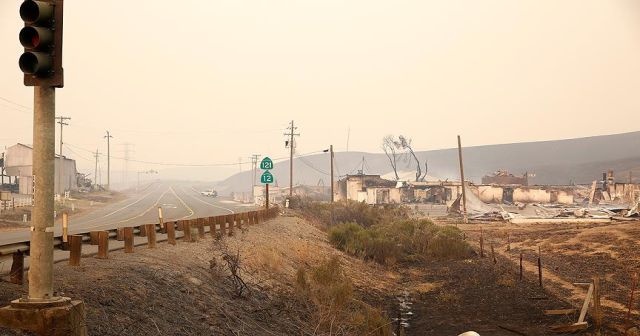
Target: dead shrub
<point x="329" y="295"/>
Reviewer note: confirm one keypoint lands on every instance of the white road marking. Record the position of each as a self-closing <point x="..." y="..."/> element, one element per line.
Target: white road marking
<point x="120" y="209"/>
<point x="184" y="204"/>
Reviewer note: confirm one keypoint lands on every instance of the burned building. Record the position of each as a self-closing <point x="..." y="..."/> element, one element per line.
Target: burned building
<point x="502" y="177"/>
<point x="371" y="189"/>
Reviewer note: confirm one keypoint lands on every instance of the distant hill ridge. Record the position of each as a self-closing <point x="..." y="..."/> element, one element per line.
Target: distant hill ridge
<point x="559" y="162"/>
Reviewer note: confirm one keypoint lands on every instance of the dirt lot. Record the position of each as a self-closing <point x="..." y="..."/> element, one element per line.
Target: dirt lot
<point x="575" y="253"/>
<point x="172" y="290"/>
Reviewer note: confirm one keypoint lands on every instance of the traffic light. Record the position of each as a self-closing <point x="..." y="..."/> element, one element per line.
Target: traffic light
<point x="41" y="38"/>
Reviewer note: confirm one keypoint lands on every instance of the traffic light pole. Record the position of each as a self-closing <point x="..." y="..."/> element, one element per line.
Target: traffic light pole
<point x="41" y="247"/>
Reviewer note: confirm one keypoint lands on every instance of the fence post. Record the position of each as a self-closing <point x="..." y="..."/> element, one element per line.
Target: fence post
<point x="180" y="225"/>
<point x="142" y="231"/>
<point x="128" y="239"/>
<point x="232" y="223"/>
<point x="103" y="245"/>
<point x="17" y="268"/>
<point x="75" y="250"/>
<point x="151" y="235"/>
<point x="520" y="266"/>
<point x="539" y="267"/>
<point x="171" y="232"/>
<point x="212" y="226"/>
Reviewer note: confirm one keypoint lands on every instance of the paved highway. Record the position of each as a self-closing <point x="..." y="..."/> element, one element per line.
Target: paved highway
<point x="179" y="200"/>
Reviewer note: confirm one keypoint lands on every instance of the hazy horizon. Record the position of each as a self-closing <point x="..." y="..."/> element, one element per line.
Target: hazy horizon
<point x="214" y="82"/>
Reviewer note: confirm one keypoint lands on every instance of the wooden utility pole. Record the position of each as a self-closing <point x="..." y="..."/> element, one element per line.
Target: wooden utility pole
<point x="108" y="136"/>
<point x="254" y="162"/>
<point x="96" y="154"/>
<point x="61" y="120"/>
<point x="464" y="194"/>
<point x="291" y="135"/>
<point x="332" y="182"/>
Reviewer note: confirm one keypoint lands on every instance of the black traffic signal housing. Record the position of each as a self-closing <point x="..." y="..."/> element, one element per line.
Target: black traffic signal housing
<point x="41" y="38"/>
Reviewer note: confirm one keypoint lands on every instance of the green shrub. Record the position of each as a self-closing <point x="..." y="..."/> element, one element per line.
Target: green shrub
<point x="448" y="243"/>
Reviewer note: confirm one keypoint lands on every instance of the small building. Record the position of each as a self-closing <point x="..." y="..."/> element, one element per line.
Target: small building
<point x="18" y="162"/>
<point x="371" y="189"/>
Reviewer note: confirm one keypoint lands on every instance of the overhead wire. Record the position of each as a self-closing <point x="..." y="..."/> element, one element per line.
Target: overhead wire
<point x="181" y="164"/>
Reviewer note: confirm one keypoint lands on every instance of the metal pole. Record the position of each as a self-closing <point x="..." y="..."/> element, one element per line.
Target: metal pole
<point x="332" y="192"/>
<point x="41" y="247"/>
<point x="61" y="168"/>
<point x="266" y="202"/>
<point x="464" y="194"/>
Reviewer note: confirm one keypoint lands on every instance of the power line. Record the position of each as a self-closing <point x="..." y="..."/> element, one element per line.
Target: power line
<point x="14" y="103"/>
<point x="310" y="165"/>
<point x="184" y="164"/>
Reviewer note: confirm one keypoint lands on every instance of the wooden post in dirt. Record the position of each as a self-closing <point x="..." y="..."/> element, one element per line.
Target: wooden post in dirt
<point x="186" y="228"/>
<point x="493" y="255"/>
<point x="508" y="242"/>
<point x="128" y="240"/>
<point x="171" y="232"/>
<point x="597" y="311"/>
<point x="481" y="244"/>
<point x="75" y="250"/>
<point x="103" y="245"/>
<point x="539" y="267"/>
<point x="151" y="235"/>
<point x="634" y="284"/>
<point x="464" y="194"/>
<point x="180" y="225"/>
<point x="520" y="266"/>
<point x="16" y="276"/>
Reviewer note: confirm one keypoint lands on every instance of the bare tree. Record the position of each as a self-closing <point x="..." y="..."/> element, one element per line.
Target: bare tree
<point x="390" y="146"/>
<point x="405" y="143"/>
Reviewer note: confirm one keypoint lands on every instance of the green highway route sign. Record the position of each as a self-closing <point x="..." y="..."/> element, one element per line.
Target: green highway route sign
<point x="266" y="177"/>
<point x="266" y="163"/>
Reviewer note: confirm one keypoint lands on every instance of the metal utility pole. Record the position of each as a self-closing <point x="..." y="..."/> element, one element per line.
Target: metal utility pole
<point x="61" y="120"/>
<point x="291" y="135"/>
<point x="464" y="194"/>
<point x="96" y="154"/>
<point x="108" y="136"/>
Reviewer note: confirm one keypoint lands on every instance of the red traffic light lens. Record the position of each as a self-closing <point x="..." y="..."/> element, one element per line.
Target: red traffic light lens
<point x="33" y="37"/>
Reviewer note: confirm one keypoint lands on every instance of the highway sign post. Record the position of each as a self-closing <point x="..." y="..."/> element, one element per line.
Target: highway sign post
<point x="266" y="178"/>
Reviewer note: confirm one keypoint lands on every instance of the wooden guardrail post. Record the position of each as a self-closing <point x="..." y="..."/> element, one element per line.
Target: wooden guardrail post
<point x="200" y="224"/>
<point x="171" y="232"/>
<point x="186" y="228"/>
<point x="142" y="231"/>
<point x="75" y="250"/>
<point x="212" y="226"/>
<point x="161" y="221"/>
<point x="119" y="234"/>
<point x="103" y="245"/>
<point x="93" y="235"/>
<point x="128" y="240"/>
<point x="151" y="235"/>
<point x="180" y="225"/>
<point x="16" y="275"/>
<point x="232" y="223"/>
<point x="223" y="224"/>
